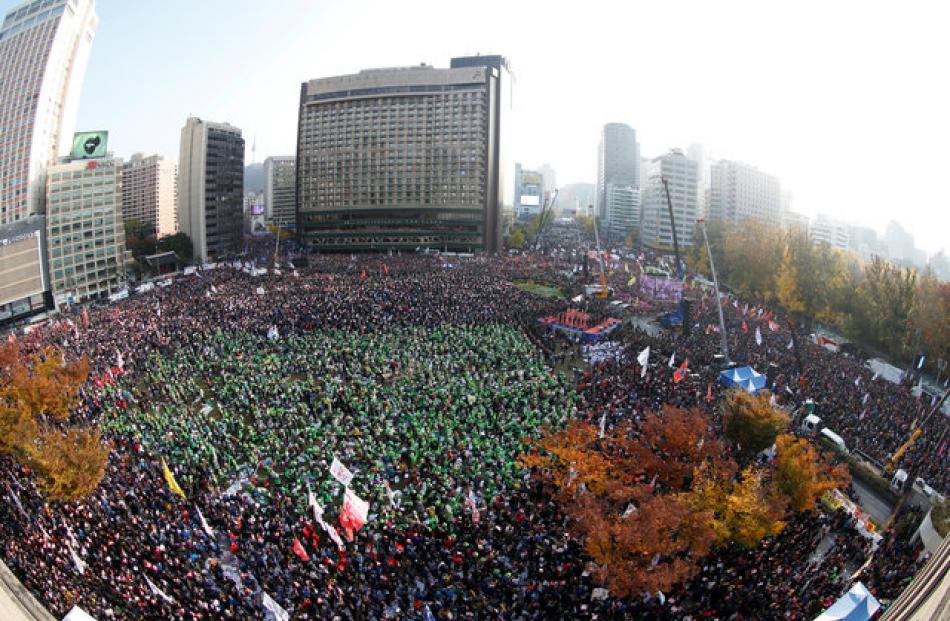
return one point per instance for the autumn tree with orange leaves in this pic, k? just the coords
(628, 495)
(37, 393)
(802, 475)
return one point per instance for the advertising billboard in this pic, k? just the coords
(530, 201)
(89, 145)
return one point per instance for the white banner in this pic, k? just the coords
(274, 608)
(340, 472)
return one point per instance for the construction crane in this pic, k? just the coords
(896, 457)
(676, 244)
(603, 293)
(547, 212)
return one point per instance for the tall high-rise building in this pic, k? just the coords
(682, 175)
(84, 228)
(211, 188)
(739, 191)
(618, 164)
(149, 190)
(827, 230)
(550, 178)
(697, 153)
(575, 198)
(280, 191)
(623, 210)
(405, 157)
(44, 46)
(529, 192)
(900, 243)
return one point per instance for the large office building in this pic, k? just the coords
(405, 158)
(149, 189)
(24, 280)
(738, 192)
(84, 229)
(44, 46)
(682, 175)
(622, 204)
(825, 229)
(529, 192)
(280, 191)
(618, 164)
(211, 188)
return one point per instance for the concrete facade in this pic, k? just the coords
(682, 174)
(44, 47)
(85, 230)
(824, 229)
(149, 192)
(529, 192)
(211, 188)
(739, 191)
(280, 191)
(403, 158)
(618, 163)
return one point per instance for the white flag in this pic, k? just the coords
(644, 359)
(758, 336)
(259, 291)
(317, 509)
(204, 523)
(272, 333)
(603, 424)
(672, 360)
(920, 364)
(119, 360)
(857, 381)
(334, 534)
(340, 472)
(274, 608)
(790, 343)
(629, 510)
(157, 591)
(80, 565)
(876, 375)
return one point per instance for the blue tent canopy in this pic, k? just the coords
(746, 378)
(856, 605)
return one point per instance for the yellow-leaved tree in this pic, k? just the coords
(802, 475)
(750, 420)
(37, 393)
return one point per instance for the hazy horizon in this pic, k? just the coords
(844, 102)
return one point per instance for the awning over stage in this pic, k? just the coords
(856, 605)
(743, 377)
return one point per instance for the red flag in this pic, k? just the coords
(745, 327)
(385, 269)
(363, 274)
(774, 327)
(299, 550)
(680, 373)
(354, 514)
(708, 393)
(85, 318)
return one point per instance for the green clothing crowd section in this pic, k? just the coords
(430, 420)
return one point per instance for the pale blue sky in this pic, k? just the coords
(846, 101)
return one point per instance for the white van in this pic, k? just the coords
(834, 438)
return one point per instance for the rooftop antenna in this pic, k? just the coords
(254, 150)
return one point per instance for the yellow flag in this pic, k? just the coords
(170, 479)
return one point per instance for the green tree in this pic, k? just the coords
(517, 238)
(180, 244)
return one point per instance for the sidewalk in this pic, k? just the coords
(16, 603)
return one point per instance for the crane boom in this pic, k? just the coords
(892, 462)
(602, 294)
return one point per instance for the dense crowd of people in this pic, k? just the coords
(421, 377)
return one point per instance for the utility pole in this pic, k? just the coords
(712, 268)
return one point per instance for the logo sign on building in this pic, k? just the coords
(89, 145)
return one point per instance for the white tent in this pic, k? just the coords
(78, 614)
(856, 605)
